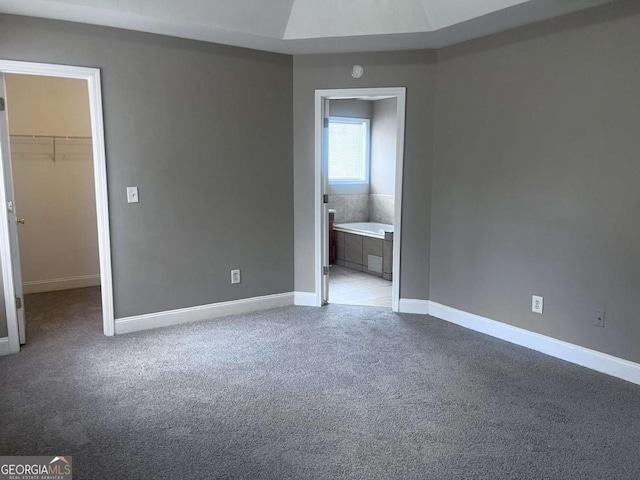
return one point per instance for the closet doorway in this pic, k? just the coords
(52, 248)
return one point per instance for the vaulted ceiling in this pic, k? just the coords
(307, 26)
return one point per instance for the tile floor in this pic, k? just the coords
(350, 287)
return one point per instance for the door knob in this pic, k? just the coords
(20, 221)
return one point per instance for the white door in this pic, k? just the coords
(11, 212)
(325, 204)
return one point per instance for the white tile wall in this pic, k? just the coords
(382, 209)
(363, 208)
(350, 208)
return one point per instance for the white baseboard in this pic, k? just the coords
(408, 305)
(54, 284)
(201, 312)
(304, 299)
(569, 352)
(4, 346)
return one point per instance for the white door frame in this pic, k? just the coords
(400, 93)
(92, 76)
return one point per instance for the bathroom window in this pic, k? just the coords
(348, 150)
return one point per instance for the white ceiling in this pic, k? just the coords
(307, 26)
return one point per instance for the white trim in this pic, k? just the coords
(304, 299)
(409, 305)
(6, 263)
(397, 217)
(92, 76)
(201, 312)
(569, 352)
(400, 93)
(54, 284)
(5, 346)
(317, 200)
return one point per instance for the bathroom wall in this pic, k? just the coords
(373, 202)
(351, 202)
(350, 108)
(384, 121)
(55, 195)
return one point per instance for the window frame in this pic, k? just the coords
(367, 151)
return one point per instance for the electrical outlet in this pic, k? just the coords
(537, 304)
(235, 276)
(599, 318)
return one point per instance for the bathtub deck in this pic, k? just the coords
(350, 287)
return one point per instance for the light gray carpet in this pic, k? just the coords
(304, 393)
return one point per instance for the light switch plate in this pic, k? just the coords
(235, 276)
(132, 194)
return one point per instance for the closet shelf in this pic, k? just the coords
(55, 141)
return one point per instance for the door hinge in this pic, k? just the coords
(325, 270)
(325, 198)
(326, 122)
(18, 302)
(1, 104)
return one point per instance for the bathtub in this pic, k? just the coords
(365, 246)
(366, 229)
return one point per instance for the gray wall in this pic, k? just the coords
(350, 108)
(415, 70)
(192, 125)
(383, 146)
(536, 178)
(535, 167)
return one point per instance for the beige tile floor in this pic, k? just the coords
(350, 287)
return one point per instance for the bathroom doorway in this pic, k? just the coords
(361, 142)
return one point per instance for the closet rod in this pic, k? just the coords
(51, 136)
